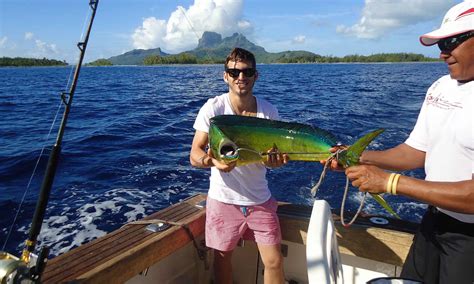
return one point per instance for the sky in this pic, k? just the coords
(52, 28)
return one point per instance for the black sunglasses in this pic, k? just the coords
(234, 72)
(450, 43)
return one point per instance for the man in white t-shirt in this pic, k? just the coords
(442, 142)
(239, 203)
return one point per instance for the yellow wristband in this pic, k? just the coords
(394, 184)
(389, 183)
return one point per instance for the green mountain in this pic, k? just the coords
(212, 48)
(135, 57)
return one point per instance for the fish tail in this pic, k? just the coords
(384, 204)
(350, 157)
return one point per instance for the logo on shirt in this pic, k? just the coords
(437, 98)
(439, 101)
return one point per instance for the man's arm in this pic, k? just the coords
(200, 159)
(399, 158)
(454, 196)
(198, 156)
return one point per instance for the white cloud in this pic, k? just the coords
(150, 34)
(3, 42)
(299, 39)
(29, 35)
(45, 48)
(381, 16)
(244, 25)
(41, 48)
(184, 27)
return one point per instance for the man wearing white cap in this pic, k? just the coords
(442, 142)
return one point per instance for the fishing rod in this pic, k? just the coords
(29, 267)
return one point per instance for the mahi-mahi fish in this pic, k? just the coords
(246, 140)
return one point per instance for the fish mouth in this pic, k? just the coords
(228, 151)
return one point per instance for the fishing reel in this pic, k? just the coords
(15, 270)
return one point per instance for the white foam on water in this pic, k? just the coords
(74, 226)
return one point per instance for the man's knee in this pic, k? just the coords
(274, 262)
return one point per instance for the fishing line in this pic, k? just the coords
(296, 153)
(84, 26)
(32, 175)
(61, 103)
(270, 153)
(189, 22)
(194, 31)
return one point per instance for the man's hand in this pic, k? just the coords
(221, 165)
(368, 178)
(334, 163)
(275, 158)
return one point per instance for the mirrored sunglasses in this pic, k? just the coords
(450, 43)
(234, 72)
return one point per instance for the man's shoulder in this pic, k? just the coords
(267, 108)
(217, 100)
(441, 83)
(446, 79)
(264, 103)
(214, 106)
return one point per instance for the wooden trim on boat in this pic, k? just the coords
(124, 253)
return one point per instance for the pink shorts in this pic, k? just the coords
(226, 224)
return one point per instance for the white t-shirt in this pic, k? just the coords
(445, 132)
(244, 185)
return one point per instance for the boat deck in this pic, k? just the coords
(126, 252)
(123, 253)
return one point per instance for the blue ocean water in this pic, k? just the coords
(126, 147)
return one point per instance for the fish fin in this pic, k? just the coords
(247, 156)
(350, 157)
(385, 205)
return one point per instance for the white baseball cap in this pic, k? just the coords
(459, 19)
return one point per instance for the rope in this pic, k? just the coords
(315, 188)
(346, 190)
